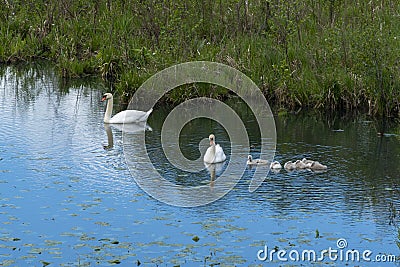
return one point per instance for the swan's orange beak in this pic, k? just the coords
(103, 98)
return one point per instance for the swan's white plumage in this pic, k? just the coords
(214, 157)
(130, 116)
(214, 153)
(126, 116)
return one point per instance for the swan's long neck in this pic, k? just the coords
(107, 115)
(213, 150)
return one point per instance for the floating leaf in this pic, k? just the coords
(103, 223)
(52, 242)
(36, 251)
(114, 261)
(45, 263)
(282, 240)
(7, 262)
(85, 237)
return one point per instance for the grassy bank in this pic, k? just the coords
(329, 55)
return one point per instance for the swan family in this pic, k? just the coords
(214, 153)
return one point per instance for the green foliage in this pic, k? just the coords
(331, 55)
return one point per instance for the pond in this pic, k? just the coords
(68, 197)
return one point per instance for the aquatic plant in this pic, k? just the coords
(330, 55)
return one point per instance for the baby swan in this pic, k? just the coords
(289, 166)
(275, 165)
(307, 161)
(317, 166)
(300, 164)
(251, 161)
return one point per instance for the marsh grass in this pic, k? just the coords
(329, 55)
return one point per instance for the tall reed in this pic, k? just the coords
(328, 55)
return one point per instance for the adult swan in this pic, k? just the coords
(214, 153)
(125, 116)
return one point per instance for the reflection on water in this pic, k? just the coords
(110, 138)
(126, 128)
(64, 199)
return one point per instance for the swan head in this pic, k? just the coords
(106, 96)
(212, 139)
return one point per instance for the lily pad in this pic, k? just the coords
(114, 262)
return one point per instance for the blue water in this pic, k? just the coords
(67, 200)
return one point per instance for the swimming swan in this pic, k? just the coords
(307, 161)
(300, 164)
(317, 166)
(214, 153)
(126, 116)
(275, 165)
(251, 161)
(289, 166)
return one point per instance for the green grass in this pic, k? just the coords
(327, 55)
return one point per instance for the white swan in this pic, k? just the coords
(214, 153)
(251, 161)
(126, 116)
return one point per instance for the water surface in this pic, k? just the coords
(67, 197)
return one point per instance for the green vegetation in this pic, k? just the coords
(328, 55)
